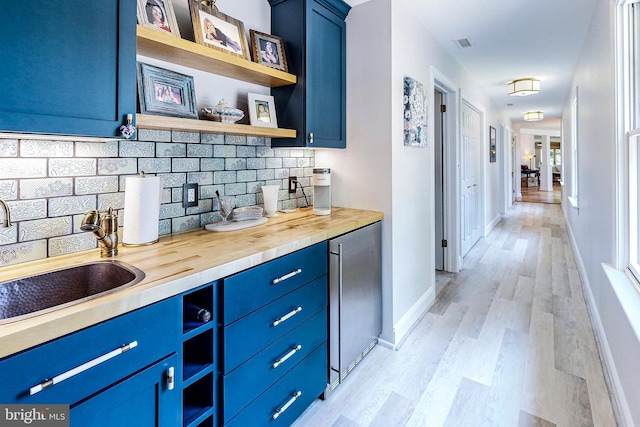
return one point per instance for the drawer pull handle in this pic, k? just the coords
(290, 402)
(287, 316)
(284, 358)
(286, 276)
(171, 378)
(79, 369)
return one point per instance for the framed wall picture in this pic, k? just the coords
(492, 144)
(217, 30)
(166, 92)
(262, 110)
(268, 50)
(415, 113)
(159, 15)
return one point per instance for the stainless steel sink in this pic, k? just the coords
(34, 295)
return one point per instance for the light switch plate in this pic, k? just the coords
(190, 195)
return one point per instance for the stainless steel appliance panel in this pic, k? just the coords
(355, 298)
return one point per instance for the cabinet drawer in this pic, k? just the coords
(250, 379)
(309, 378)
(154, 328)
(249, 335)
(251, 289)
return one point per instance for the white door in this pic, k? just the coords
(471, 158)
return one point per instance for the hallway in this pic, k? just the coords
(507, 343)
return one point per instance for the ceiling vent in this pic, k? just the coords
(463, 43)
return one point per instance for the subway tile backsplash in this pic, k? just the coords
(49, 184)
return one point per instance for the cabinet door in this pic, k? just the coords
(140, 400)
(67, 67)
(314, 33)
(326, 78)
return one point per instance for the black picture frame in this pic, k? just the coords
(492, 144)
(268, 50)
(165, 92)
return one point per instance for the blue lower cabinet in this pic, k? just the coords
(283, 402)
(271, 322)
(249, 380)
(134, 340)
(140, 400)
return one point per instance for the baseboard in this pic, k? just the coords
(496, 220)
(412, 316)
(620, 404)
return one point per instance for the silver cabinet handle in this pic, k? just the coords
(290, 402)
(79, 369)
(287, 316)
(311, 138)
(171, 378)
(286, 276)
(284, 358)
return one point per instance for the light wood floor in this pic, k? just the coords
(507, 343)
(535, 195)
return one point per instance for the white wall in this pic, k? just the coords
(593, 225)
(385, 43)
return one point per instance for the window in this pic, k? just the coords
(628, 116)
(573, 195)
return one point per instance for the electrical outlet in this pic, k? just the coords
(190, 195)
(292, 184)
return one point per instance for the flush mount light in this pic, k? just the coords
(533, 116)
(524, 87)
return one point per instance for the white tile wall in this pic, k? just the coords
(49, 184)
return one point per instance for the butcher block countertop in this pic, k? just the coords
(177, 263)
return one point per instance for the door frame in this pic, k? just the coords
(450, 162)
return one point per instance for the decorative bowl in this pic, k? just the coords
(222, 113)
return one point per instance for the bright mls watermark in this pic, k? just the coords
(34, 415)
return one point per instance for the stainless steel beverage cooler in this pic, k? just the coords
(355, 299)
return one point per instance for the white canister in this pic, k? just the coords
(270, 195)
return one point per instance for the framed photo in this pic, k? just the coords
(268, 50)
(217, 30)
(159, 15)
(262, 110)
(492, 144)
(166, 92)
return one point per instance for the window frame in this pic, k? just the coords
(627, 104)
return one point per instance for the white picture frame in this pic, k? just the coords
(262, 110)
(159, 15)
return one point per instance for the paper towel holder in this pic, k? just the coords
(145, 216)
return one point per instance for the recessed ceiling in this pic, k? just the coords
(512, 39)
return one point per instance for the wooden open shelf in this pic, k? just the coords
(147, 121)
(169, 48)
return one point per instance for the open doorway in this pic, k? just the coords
(439, 108)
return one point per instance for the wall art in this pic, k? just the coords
(415, 113)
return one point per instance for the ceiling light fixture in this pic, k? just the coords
(533, 116)
(524, 87)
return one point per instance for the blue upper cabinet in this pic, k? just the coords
(67, 67)
(314, 36)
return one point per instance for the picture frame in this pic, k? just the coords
(492, 144)
(159, 15)
(218, 31)
(165, 92)
(415, 113)
(262, 110)
(268, 50)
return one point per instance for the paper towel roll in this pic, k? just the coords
(141, 210)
